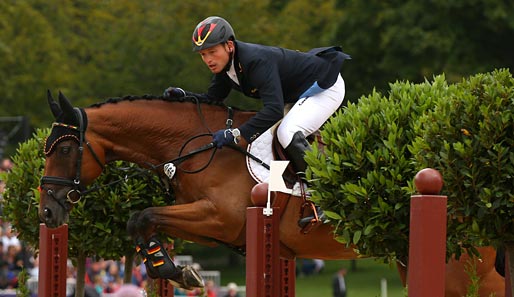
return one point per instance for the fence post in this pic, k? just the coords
(287, 277)
(53, 257)
(427, 238)
(262, 247)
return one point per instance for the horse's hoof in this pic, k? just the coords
(189, 279)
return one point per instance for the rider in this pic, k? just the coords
(277, 76)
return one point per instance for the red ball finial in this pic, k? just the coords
(260, 194)
(428, 181)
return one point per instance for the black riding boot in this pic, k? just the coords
(296, 153)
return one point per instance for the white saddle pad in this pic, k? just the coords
(261, 148)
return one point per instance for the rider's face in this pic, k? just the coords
(217, 57)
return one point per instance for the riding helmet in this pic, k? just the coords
(210, 32)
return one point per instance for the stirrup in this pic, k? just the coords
(159, 265)
(308, 223)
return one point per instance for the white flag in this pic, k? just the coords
(276, 181)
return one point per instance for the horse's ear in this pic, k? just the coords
(54, 107)
(67, 109)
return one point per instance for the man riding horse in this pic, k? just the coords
(277, 76)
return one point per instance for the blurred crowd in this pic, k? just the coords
(14, 255)
(106, 276)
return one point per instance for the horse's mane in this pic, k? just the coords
(191, 99)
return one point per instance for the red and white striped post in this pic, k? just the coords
(427, 238)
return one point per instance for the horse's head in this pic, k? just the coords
(71, 162)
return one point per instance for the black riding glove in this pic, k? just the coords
(173, 92)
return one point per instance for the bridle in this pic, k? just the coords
(77, 190)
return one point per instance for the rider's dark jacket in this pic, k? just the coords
(276, 76)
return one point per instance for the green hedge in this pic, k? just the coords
(363, 177)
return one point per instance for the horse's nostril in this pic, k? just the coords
(47, 213)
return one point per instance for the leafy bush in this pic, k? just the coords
(21, 197)
(363, 176)
(469, 138)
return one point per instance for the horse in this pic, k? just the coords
(212, 187)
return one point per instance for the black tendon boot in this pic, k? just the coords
(159, 265)
(296, 153)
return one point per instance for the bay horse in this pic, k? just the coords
(212, 187)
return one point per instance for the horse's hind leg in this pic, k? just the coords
(157, 261)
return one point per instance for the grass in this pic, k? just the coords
(362, 282)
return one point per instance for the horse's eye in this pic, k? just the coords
(65, 150)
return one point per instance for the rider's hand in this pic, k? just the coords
(173, 92)
(225, 136)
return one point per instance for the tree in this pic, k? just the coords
(97, 226)
(32, 59)
(413, 40)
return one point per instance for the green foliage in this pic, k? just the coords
(412, 40)
(363, 176)
(469, 138)
(470, 267)
(21, 197)
(101, 49)
(97, 225)
(23, 290)
(97, 49)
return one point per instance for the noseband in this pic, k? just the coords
(74, 184)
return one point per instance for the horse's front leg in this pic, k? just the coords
(194, 221)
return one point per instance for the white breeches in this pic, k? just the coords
(310, 113)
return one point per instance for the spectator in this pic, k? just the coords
(4, 270)
(112, 280)
(34, 271)
(232, 290)
(339, 283)
(14, 266)
(98, 284)
(6, 165)
(128, 291)
(318, 265)
(9, 238)
(139, 275)
(308, 266)
(210, 289)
